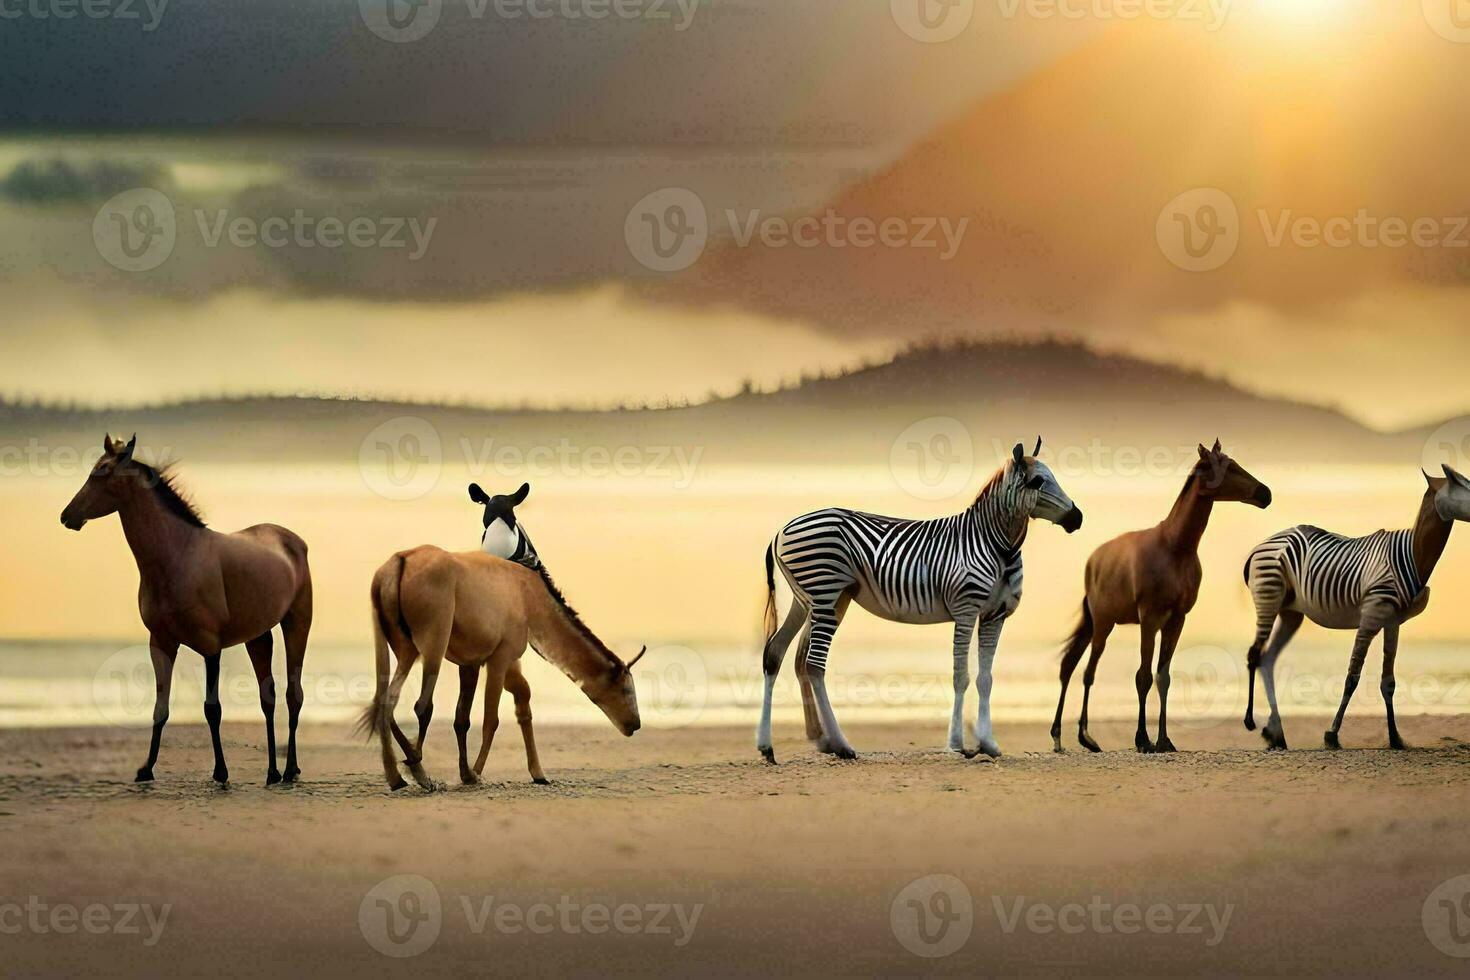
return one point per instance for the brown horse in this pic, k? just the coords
(1152, 578)
(204, 590)
(471, 609)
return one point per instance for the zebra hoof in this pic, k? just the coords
(1329, 739)
(1250, 723)
(769, 754)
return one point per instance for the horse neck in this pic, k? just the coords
(157, 538)
(561, 641)
(1189, 517)
(999, 517)
(1431, 534)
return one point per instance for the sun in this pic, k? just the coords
(1301, 11)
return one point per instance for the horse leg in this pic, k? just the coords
(423, 709)
(771, 658)
(494, 684)
(1387, 684)
(1370, 628)
(825, 620)
(520, 690)
(405, 662)
(964, 631)
(1286, 626)
(295, 628)
(1070, 658)
(469, 680)
(163, 653)
(1143, 681)
(1100, 632)
(1169, 641)
(260, 658)
(989, 640)
(213, 713)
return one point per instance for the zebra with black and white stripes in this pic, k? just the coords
(964, 569)
(1372, 584)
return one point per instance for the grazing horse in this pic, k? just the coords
(1372, 584)
(504, 537)
(964, 569)
(474, 609)
(1151, 578)
(204, 590)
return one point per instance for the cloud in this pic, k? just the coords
(57, 180)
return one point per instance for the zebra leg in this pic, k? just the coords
(1366, 633)
(989, 640)
(1388, 684)
(823, 627)
(964, 631)
(804, 681)
(1100, 633)
(1143, 681)
(1170, 641)
(1267, 583)
(1286, 627)
(771, 659)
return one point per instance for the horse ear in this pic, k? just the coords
(1217, 445)
(519, 496)
(1037, 450)
(107, 445)
(1019, 453)
(477, 495)
(1455, 477)
(127, 453)
(637, 658)
(1203, 452)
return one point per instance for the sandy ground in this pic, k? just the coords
(681, 852)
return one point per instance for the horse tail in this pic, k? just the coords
(387, 612)
(1081, 636)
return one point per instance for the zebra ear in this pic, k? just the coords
(1456, 477)
(1037, 450)
(1019, 453)
(636, 659)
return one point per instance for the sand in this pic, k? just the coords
(680, 852)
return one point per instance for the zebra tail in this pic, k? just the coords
(1081, 635)
(770, 591)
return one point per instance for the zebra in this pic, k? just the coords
(964, 569)
(504, 537)
(1372, 584)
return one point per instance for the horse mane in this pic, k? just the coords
(163, 482)
(573, 617)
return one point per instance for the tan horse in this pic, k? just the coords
(471, 608)
(204, 590)
(1152, 578)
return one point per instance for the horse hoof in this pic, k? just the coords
(469, 779)
(769, 754)
(1057, 748)
(291, 774)
(222, 776)
(1164, 745)
(1250, 723)
(1086, 741)
(1329, 739)
(144, 775)
(844, 752)
(1397, 744)
(541, 781)
(398, 784)
(272, 777)
(1144, 748)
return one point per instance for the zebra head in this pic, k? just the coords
(1451, 495)
(1038, 491)
(503, 537)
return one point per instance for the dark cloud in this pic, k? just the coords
(56, 180)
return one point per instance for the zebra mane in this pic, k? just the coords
(574, 618)
(993, 484)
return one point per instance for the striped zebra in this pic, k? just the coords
(503, 536)
(1372, 584)
(964, 569)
